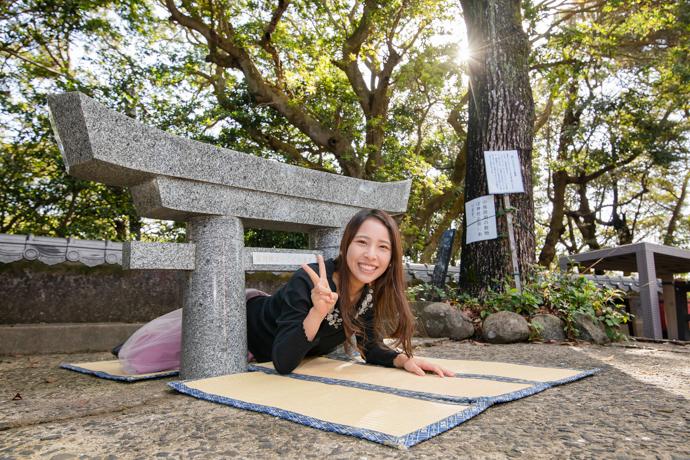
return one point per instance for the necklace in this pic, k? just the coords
(335, 320)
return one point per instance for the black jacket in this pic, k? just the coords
(275, 330)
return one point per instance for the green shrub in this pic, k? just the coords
(536, 331)
(554, 292)
(566, 296)
(427, 292)
(424, 291)
(525, 303)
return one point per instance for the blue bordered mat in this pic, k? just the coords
(321, 400)
(475, 380)
(112, 370)
(387, 419)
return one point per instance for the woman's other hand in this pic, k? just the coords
(322, 297)
(420, 367)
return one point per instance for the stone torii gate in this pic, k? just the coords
(216, 192)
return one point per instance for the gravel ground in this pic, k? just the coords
(638, 407)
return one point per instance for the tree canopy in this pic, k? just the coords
(369, 89)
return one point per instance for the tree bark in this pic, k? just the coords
(585, 218)
(556, 222)
(501, 117)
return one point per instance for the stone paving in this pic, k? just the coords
(638, 407)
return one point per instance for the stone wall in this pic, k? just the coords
(52, 289)
(73, 308)
(32, 292)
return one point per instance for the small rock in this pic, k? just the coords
(418, 306)
(505, 327)
(551, 327)
(266, 444)
(63, 457)
(50, 437)
(589, 330)
(589, 437)
(440, 319)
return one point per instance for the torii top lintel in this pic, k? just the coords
(176, 178)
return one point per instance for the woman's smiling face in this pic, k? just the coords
(369, 253)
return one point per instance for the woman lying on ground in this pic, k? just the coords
(356, 294)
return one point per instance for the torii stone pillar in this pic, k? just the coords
(217, 192)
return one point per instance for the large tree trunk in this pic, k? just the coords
(501, 117)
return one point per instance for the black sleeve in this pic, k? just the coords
(290, 344)
(375, 352)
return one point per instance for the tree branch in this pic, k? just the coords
(261, 138)
(541, 119)
(223, 51)
(350, 50)
(266, 43)
(16, 54)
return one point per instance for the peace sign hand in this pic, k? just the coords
(321, 295)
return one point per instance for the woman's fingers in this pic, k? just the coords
(438, 370)
(419, 371)
(322, 268)
(312, 274)
(448, 373)
(412, 366)
(321, 295)
(320, 280)
(328, 297)
(427, 366)
(431, 368)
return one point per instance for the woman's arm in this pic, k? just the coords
(291, 343)
(375, 352)
(306, 304)
(312, 323)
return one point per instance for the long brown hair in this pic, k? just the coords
(392, 314)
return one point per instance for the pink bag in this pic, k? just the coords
(154, 347)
